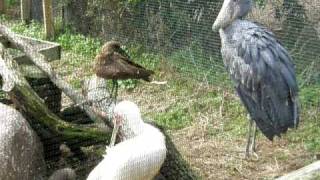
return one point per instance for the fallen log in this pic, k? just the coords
(15, 84)
(311, 171)
(40, 61)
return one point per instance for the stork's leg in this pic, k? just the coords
(116, 90)
(249, 138)
(251, 144)
(112, 89)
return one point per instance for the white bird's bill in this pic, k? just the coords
(116, 123)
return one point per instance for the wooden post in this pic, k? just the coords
(25, 11)
(48, 18)
(2, 6)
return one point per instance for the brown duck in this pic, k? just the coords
(113, 63)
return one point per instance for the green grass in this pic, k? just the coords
(76, 64)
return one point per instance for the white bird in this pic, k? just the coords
(63, 174)
(139, 155)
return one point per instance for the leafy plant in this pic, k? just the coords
(34, 29)
(176, 117)
(11, 2)
(310, 95)
(260, 3)
(79, 44)
(128, 84)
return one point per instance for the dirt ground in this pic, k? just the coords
(222, 156)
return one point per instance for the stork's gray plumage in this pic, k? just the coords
(261, 69)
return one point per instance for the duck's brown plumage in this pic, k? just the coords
(113, 63)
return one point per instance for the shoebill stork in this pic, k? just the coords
(140, 153)
(261, 69)
(114, 63)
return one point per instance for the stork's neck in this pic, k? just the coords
(236, 28)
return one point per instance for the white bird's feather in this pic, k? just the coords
(139, 157)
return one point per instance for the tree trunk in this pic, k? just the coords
(2, 6)
(48, 19)
(25, 11)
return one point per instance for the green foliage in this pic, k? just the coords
(2, 94)
(131, 2)
(3, 18)
(175, 117)
(260, 3)
(129, 84)
(148, 60)
(194, 62)
(308, 132)
(34, 29)
(79, 44)
(310, 95)
(11, 2)
(138, 54)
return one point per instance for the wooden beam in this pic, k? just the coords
(25, 11)
(311, 171)
(2, 6)
(48, 18)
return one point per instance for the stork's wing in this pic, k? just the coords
(265, 80)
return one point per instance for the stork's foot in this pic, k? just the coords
(251, 154)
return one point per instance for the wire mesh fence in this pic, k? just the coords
(180, 32)
(182, 29)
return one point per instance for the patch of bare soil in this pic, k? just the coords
(219, 158)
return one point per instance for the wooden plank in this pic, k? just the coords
(48, 18)
(52, 51)
(311, 171)
(25, 6)
(31, 71)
